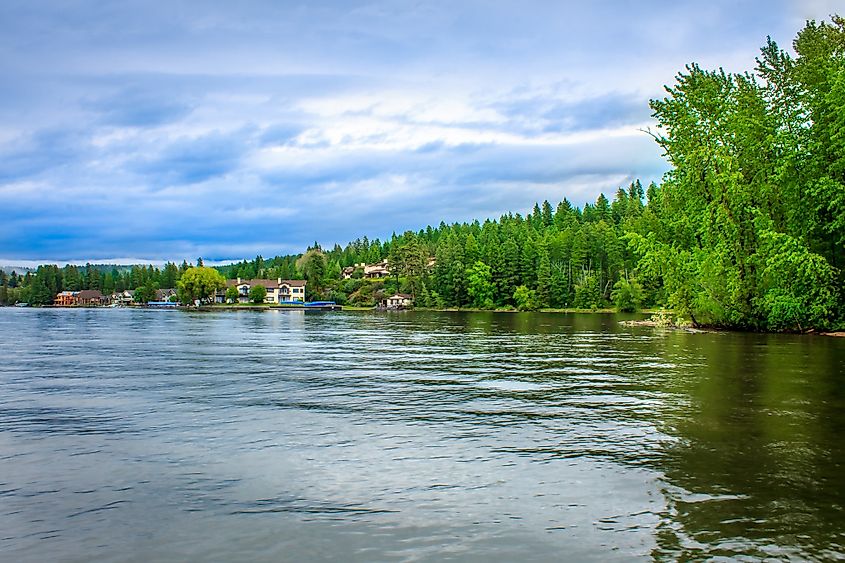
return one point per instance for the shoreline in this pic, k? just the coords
(643, 323)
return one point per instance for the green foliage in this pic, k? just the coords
(257, 294)
(145, 294)
(799, 288)
(333, 271)
(199, 284)
(544, 279)
(627, 295)
(525, 299)
(480, 285)
(313, 266)
(409, 259)
(748, 228)
(232, 294)
(588, 291)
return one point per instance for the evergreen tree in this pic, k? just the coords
(544, 279)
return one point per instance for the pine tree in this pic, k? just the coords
(544, 278)
(510, 269)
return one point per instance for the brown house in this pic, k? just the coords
(89, 297)
(86, 298)
(65, 298)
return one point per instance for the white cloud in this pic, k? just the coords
(163, 131)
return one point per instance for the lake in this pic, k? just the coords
(139, 435)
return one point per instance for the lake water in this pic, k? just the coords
(130, 435)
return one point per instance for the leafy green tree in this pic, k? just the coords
(257, 294)
(525, 299)
(627, 295)
(480, 285)
(199, 284)
(232, 294)
(145, 294)
(753, 162)
(588, 291)
(799, 286)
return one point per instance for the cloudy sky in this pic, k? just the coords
(144, 130)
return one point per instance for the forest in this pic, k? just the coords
(746, 230)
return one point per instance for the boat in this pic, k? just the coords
(322, 305)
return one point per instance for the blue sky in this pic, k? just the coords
(148, 131)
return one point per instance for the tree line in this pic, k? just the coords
(555, 256)
(41, 286)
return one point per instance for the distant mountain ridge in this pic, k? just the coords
(18, 269)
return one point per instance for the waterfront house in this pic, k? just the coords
(85, 298)
(278, 290)
(398, 301)
(89, 298)
(166, 294)
(122, 298)
(65, 299)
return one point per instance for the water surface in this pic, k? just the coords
(130, 435)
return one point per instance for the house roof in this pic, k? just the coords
(89, 294)
(401, 296)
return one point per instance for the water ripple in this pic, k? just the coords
(418, 436)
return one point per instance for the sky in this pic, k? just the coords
(144, 131)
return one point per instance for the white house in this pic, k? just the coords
(398, 301)
(379, 270)
(278, 290)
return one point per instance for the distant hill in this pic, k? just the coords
(18, 269)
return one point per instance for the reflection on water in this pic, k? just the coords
(165, 435)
